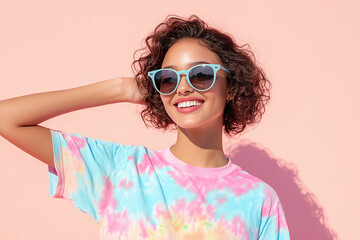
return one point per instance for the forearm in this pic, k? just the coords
(35, 108)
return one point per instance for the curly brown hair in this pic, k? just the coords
(248, 86)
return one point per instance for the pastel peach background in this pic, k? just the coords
(306, 147)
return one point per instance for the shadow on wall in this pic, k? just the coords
(304, 216)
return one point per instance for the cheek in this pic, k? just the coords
(166, 101)
(219, 94)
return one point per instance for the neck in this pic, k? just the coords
(200, 147)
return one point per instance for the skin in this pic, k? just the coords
(19, 119)
(197, 127)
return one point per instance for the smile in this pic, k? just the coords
(188, 104)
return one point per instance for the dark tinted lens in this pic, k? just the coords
(201, 77)
(165, 81)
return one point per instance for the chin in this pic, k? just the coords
(202, 120)
(188, 125)
(197, 125)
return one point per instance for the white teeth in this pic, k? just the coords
(188, 104)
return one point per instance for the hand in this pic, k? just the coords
(133, 93)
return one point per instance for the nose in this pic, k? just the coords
(184, 87)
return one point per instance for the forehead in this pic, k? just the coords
(186, 51)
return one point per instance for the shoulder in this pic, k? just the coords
(136, 152)
(254, 186)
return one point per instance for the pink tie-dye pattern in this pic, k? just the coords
(148, 164)
(125, 222)
(143, 233)
(190, 220)
(193, 209)
(237, 227)
(204, 185)
(221, 200)
(194, 214)
(281, 218)
(145, 165)
(74, 143)
(125, 184)
(268, 204)
(69, 165)
(107, 195)
(115, 223)
(266, 207)
(209, 210)
(273, 209)
(161, 212)
(179, 205)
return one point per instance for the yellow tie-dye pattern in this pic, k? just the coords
(89, 178)
(72, 164)
(176, 229)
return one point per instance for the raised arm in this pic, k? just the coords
(20, 116)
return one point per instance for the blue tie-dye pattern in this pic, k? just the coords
(152, 186)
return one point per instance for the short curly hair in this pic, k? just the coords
(248, 85)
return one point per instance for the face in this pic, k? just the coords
(209, 105)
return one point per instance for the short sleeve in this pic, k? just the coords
(83, 169)
(273, 223)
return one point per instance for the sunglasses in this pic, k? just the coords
(200, 77)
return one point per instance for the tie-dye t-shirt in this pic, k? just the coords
(135, 193)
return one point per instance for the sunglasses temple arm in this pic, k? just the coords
(224, 69)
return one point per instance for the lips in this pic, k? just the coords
(187, 105)
(188, 102)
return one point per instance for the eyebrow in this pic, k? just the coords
(188, 65)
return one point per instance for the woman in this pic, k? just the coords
(192, 78)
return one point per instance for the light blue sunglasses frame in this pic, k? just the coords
(215, 67)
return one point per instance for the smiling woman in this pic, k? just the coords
(207, 117)
(194, 78)
(248, 87)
